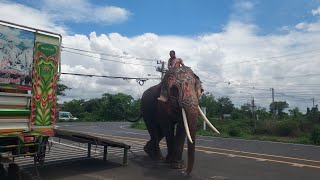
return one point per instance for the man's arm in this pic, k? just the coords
(169, 64)
(181, 62)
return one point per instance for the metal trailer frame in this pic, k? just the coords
(92, 139)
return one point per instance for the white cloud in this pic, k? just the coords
(242, 11)
(310, 27)
(27, 16)
(111, 14)
(84, 11)
(237, 55)
(244, 5)
(315, 11)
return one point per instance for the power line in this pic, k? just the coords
(305, 75)
(231, 65)
(104, 59)
(275, 57)
(140, 80)
(112, 55)
(276, 77)
(107, 76)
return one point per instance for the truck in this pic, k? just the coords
(30, 65)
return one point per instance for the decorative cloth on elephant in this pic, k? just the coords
(170, 79)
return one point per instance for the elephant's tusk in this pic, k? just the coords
(207, 121)
(185, 122)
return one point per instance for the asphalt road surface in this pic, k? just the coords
(216, 158)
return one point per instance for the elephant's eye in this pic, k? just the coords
(174, 91)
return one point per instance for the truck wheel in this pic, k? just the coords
(3, 173)
(14, 172)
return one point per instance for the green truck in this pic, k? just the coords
(29, 69)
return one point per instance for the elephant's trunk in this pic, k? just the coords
(192, 117)
(191, 151)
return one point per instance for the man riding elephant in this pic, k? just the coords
(174, 61)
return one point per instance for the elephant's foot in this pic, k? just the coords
(168, 160)
(159, 156)
(154, 155)
(177, 164)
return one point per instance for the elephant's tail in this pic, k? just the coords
(135, 120)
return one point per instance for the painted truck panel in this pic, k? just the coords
(29, 62)
(44, 82)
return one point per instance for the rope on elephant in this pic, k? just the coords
(133, 152)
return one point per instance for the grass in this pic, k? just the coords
(139, 125)
(299, 140)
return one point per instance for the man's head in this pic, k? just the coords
(172, 54)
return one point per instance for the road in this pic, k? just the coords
(216, 158)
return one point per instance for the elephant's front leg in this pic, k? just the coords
(179, 146)
(167, 128)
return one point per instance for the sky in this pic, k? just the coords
(239, 48)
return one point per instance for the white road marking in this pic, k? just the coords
(297, 165)
(260, 159)
(232, 155)
(219, 177)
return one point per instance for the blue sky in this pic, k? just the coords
(191, 17)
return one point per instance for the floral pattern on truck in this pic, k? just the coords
(46, 61)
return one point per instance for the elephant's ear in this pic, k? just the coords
(198, 86)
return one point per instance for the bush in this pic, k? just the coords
(315, 135)
(287, 128)
(234, 131)
(266, 127)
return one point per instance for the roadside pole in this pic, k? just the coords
(161, 69)
(204, 110)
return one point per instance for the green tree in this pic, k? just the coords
(225, 106)
(134, 109)
(279, 107)
(295, 112)
(75, 107)
(242, 113)
(61, 88)
(115, 107)
(208, 100)
(262, 113)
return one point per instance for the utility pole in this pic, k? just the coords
(313, 102)
(253, 113)
(161, 69)
(204, 110)
(273, 110)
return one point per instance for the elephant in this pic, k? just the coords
(174, 119)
